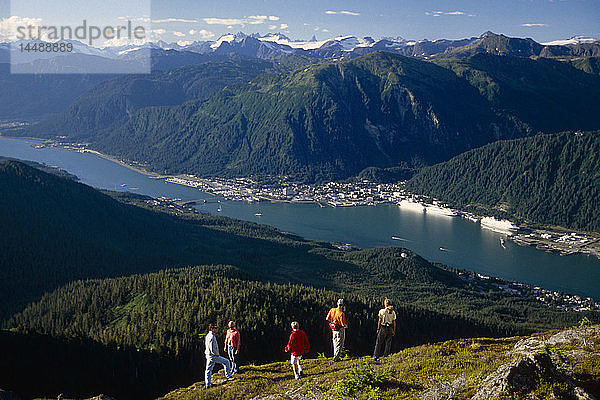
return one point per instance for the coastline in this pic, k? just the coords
(561, 240)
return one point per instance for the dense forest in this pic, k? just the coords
(163, 318)
(111, 103)
(146, 331)
(548, 179)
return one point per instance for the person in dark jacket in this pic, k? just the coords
(298, 346)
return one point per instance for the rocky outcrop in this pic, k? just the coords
(536, 364)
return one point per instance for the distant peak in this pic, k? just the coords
(488, 33)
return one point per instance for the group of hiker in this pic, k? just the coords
(298, 344)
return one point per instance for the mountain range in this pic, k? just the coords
(326, 120)
(33, 97)
(277, 45)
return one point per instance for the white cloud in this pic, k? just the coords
(184, 42)
(187, 21)
(224, 21)
(159, 31)
(533, 25)
(178, 34)
(124, 41)
(204, 34)
(272, 27)
(8, 26)
(250, 20)
(316, 28)
(440, 13)
(325, 30)
(144, 19)
(257, 19)
(283, 26)
(330, 12)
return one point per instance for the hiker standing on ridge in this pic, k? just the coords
(211, 351)
(337, 323)
(297, 345)
(386, 329)
(232, 345)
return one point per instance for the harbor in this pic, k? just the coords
(465, 242)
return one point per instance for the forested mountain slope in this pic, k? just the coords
(543, 94)
(111, 103)
(333, 119)
(549, 179)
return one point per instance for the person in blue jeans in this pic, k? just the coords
(211, 352)
(232, 345)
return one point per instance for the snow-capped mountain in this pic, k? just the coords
(276, 45)
(575, 40)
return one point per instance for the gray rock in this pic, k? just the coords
(518, 376)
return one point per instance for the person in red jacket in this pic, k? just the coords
(297, 345)
(232, 345)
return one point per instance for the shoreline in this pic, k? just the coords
(561, 240)
(550, 298)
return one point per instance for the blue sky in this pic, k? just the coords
(188, 20)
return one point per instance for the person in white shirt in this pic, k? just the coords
(386, 329)
(211, 351)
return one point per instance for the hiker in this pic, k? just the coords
(337, 323)
(232, 345)
(212, 356)
(298, 346)
(386, 329)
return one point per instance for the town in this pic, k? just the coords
(551, 298)
(353, 193)
(366, 193)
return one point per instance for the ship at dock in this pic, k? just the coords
(439, 210)
(413, 205)
(499, 225)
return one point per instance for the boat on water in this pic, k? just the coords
(471, 218)
(399, 238)
(258, 214)
(412, 205)
(438, 210)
